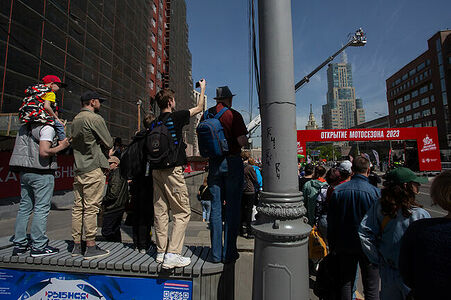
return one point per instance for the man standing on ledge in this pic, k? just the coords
(34, 157)
(92, 143)
(226, 179)
(169, 183)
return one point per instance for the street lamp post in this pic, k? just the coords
(280, 251)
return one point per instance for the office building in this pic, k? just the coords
(418, 94)
(342, 110)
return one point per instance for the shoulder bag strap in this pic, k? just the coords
(220, 113)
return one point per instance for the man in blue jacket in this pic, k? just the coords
(348, 205)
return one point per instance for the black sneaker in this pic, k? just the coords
(95, 252)
(19, 249)
(48, 250)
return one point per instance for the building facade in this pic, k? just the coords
(418, 94)
(342, 109)
(119, 48)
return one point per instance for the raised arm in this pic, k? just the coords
(200, 105)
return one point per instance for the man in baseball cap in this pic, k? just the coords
(91, 142)
(404, 175)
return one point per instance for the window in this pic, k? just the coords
(400, 110)
(425, 101)
(417, 125)
(416, 115)
(421, 66)
(434, 123)
(407, 107)
(154, 38)
(443, 85)
(398, 81)
(421, 76)
(401, 120)
(406, 97)
(426, 112)
(433, 110)
(408, 118)
(405, 76)
(412, 72)
(414, 93)
(152, 52)
(154, 8)
(428, 62)
(416, 104)
(432, 98)
(154, 23)
(152, 69)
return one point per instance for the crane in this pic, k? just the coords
(356, 40)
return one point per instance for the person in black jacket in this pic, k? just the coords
(248, 199)
(114, 202)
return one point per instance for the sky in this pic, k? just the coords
(396, 31)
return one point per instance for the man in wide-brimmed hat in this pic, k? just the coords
(226, 177)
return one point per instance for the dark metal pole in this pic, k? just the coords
(280, 254)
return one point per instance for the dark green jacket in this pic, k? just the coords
(91, 141)
(116, 193)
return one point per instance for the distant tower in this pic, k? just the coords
(311, 124)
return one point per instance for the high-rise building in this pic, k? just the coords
(311, 124)
(342, 110)
(121, 49)
(418, 94)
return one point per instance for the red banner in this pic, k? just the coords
(9, 181)
(426, 137)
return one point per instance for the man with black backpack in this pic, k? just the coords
(226, 172)
(166, 155)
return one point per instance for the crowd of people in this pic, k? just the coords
(400, 250)
(385, 232)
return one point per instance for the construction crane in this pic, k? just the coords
(357, 40)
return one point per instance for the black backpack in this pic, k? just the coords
(133, 160)
(161, 148)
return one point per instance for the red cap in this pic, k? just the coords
(52, 78)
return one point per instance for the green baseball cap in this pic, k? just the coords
(404, 175)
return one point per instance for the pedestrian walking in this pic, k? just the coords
(226, 179)
(34, 158)
(204, 195)
(249, 195)
(311, 191)
(92, 144)
(424, 260)
(348, 205)
(171, 192)
(114, 201)
(384, 225)
(308, 174)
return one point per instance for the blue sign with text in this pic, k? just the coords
(19, 284)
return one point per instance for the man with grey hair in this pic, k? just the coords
(348, 205)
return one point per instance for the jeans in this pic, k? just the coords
(225, 179)
(36, 191)
(59, 129)
(206, 209)
(347, 264)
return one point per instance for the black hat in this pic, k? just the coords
(91, 95)
(223, 92)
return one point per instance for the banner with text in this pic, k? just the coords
(426, 137)
(10, 181)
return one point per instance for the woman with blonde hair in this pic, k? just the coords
(425, 261)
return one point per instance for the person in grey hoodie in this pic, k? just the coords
(384, 225)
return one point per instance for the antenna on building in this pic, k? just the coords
(310, 108)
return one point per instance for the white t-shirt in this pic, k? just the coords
(47, 133)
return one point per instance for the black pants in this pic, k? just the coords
(111, 227)
(347, 266)
(246, 212)
(143, 213)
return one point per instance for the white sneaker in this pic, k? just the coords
(172, 260)
(160, 257)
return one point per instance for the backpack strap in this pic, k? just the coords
(220, 113)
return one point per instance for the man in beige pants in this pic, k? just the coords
(92, 143)
(169, 183)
